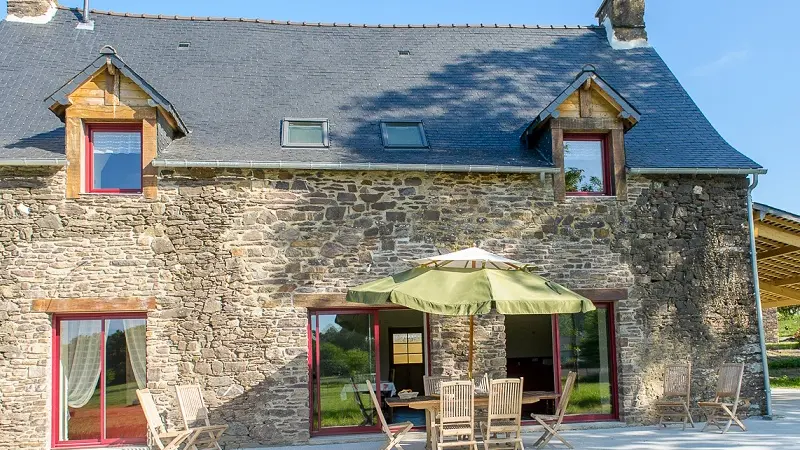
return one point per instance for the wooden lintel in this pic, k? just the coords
(792, 294)
(587, 124)
(92, 305)
(102, 113)
(330, 300)
(603, 295)
(764, 230)
(777, 252)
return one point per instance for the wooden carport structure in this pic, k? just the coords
(777, 234)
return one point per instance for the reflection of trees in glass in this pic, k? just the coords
(576, 181)
(344, 352)
(116, 358)
(581, 337)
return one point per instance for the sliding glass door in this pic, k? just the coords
(99, 362)
(343, 356)
(586, 346)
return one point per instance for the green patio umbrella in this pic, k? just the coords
(470, 282)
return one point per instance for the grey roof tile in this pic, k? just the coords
(476, 89)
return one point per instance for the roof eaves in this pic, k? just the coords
(310, 165)
(766, 209)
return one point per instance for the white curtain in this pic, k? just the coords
(135, 330)
(80, 361)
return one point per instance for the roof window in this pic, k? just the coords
(304, 133)
(407, 134)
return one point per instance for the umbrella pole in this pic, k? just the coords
(471, 345)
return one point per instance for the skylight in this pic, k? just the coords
(304, 133)
(408, 134)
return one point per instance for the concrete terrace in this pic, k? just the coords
(781, 433)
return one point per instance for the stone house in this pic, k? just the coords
(195, 195)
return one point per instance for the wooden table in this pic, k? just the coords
(430, 404)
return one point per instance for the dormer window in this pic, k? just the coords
(304, 133)
(114, 158)
(586, 165)
(403, 135)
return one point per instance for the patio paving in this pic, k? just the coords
(781, 433)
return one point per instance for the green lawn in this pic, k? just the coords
(587, 398)
(337, 412)
(788, 325)
(784, 381)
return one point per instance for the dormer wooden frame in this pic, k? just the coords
(588, 106)
(110, 93)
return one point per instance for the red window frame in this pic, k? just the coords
(608, 187)
(612, 350)
(55, 403)
(89, 157)
(314, 355)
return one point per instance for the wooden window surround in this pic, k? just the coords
(612, 133)
(108, 99)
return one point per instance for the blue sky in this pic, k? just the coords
(736, 58)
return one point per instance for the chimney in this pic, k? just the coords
(31, 11)
(624, 23)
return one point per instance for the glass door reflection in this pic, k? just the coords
(344, 357)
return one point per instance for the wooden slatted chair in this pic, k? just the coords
(431, 383)
(482, 383)
(159, 435)
(455, 426)
(195, 415)
(673, 406)
(504, 416)
(729, 384)
(552, 423)
(366, 413)
(394, 438)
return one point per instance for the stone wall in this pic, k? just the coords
(771, 329)
(225, 253)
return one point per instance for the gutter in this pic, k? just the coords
(695, 171)
(354, 166)
(759, 312)
(33, 162)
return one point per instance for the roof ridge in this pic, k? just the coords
(324, 24)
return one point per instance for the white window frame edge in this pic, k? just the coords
(285, 132)
(385, 134)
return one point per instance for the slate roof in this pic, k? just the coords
(475, 88)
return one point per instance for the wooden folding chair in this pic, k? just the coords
(365, 412)
(718, 411)
(195, 415)
(673, 406)
(552, 423)
(504, 417)
(455, 426)
(482, 383)
(163, 439)
(394, 438)
(431, 384)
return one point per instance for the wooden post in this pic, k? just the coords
(149, 149)
(618, 163)
(559, 178)
(74, 146)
